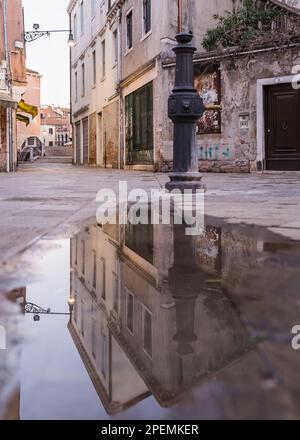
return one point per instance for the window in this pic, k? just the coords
(76, 87)
(75, 27)
(83, 256)
(94, 269)
(116, 48)
(147, 331)
(139, 126)
(76, 250)
(94, 338)
(93, 7)
(129, 311)
(81, 18)
(94, 67)
(103, 276)
(104, 353)
(50, 130)
(129, 42)
(75, 312)
(102, 13)
(115, 293)
(82, 80)
(82, 318)
(146, 16)
(103, 58)
(51, 144)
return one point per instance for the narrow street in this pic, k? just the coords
(239, 311)
(150, 206)
(51, 199)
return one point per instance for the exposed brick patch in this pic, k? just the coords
(213, 166)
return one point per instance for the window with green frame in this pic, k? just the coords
(139, 126)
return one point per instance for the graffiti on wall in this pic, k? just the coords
(216, 152)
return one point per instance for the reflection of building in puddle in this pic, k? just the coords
(9, 360)
(149, 300)
(95, 281)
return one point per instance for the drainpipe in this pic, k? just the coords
(8, 110)
(71, 116)
(121, 150)
(180, 11)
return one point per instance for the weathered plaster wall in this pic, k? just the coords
(15, 28)
(31, 96)
(235, 148)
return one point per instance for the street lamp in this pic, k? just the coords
(35, 34)
(71, 41)
(185, 109)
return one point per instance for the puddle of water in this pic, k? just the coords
(163, 326)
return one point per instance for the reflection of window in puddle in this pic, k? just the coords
(103, 278)
(104, 353)
(140, 239)
(83, 257)
(147, 331)
(82, 317)
(115, 293)
(129, 311)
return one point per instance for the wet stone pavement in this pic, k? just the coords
(160, 325)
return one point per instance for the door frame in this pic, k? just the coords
(100, 154)
(83, 120)
(260, 115)
(76, 125)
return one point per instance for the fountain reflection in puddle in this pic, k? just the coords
(162, 325)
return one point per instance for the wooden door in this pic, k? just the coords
(282, 113)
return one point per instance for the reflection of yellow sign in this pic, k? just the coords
(23, 118)
(27, 108)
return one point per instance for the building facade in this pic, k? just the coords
(32, 95)
(55, 128)
(12, 78)
(123, 70)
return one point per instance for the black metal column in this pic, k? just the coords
(185, 283)
(185, 109)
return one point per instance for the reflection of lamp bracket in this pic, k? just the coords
(33, 308)
(37, 310)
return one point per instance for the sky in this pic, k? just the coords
(49, 55)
